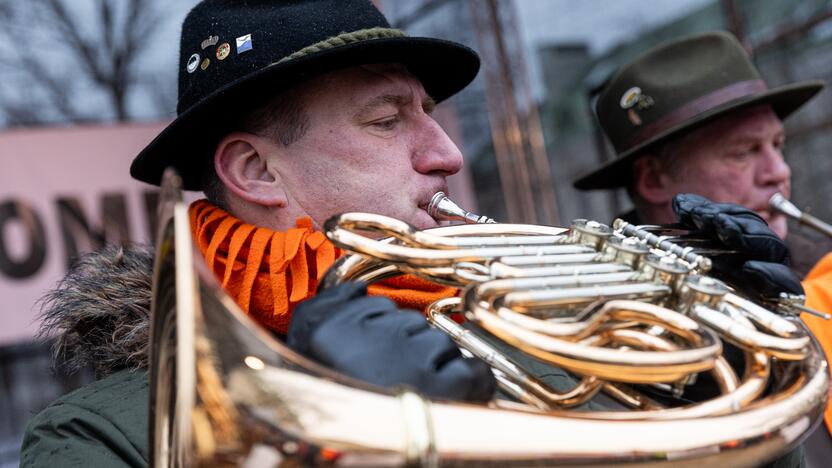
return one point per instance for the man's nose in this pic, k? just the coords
(775, 170)
(434, 151)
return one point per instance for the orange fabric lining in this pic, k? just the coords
(269, 272)
(818, 287)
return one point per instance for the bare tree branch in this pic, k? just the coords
(86, 55)
(107, 26)
(104, 48)
(34, 69)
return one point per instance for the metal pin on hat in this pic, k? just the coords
(193, 62)
(212, 40)
(223, 50)
(244, 44)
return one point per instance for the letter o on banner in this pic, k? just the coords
(29, 264)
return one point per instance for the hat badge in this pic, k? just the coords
(212, 40)
(633, 100)
(223, 50)
(193, 62)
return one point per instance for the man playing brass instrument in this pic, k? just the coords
(288, 113)
(694, 116)
(295, 112)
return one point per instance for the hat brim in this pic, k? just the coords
(784, 100)
(443, 67)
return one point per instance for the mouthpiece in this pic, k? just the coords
(778, 202)
(441, 208)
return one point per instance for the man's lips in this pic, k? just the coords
(768, 215)
(425, 199)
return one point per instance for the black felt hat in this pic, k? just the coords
(236, 53)
(676, 87)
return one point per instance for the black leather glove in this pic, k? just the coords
(369, 338)
(762, 265)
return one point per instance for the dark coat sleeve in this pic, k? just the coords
(103, 424)
(69, 435)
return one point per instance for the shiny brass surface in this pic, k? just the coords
(226, 392)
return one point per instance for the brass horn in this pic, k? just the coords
(611, 308)
(779, 203)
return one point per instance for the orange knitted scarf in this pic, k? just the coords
(269, 272)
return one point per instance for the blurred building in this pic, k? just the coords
(789, 41)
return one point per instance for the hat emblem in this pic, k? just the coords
(244, 44)
(212, 40)
(223, 50)
(193, 62)
(634, 99)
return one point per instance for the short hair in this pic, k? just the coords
(281, 118)
(670, 154)
(670, 158)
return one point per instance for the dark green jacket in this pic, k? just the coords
(103, 424)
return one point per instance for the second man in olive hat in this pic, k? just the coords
(694, 115)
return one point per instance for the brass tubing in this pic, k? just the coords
(581, 296)
(632, 366)
(752, 386)
(423, 257)
(736, 396)
(506, 286)
(543, 260)
(499, 269)
(783, 348)
(630, 397)
(392, 227)
(516, 374)
(614, 312)
(764, 317)
(723, 374)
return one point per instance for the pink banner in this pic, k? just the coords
(62, 192)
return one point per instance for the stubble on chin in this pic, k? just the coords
(422, 220)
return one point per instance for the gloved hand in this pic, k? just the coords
(761, 266)
(369, 338)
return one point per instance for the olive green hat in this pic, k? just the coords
(675, 87)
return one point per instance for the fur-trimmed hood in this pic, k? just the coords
(99, 314)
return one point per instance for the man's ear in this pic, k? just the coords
(241, 163)
(650, 181)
